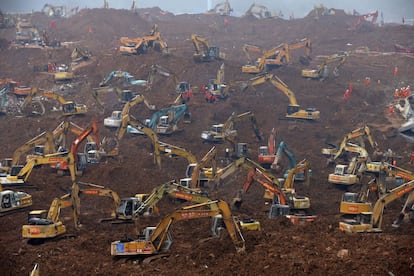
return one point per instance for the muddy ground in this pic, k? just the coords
(279, 247)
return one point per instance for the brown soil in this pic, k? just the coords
(280, 247)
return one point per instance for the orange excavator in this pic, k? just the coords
(267, 153)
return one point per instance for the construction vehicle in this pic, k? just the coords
(283, 202)
(335, 152)
(371, 222)
(141, 127)
(356, 203)
(218, 132)
(140, 45)
(195, 177)
(276, 57)
(267, 153)
(11, 201)
(129, 80)
(364, 18)
(293, 110)
(260, 11)
(42, 144)
(322, 71)
(168, 124)
(84, 188)
(27, 33)
(115, 119)
(73, 161)
(348, 174)
(155, 240)
(182, 88)
(79, 54)
(68, 108)
(283, 149)
(165, 121)
(216, 89)
(205, 52)
(222, 8)
(145, 204)
(19, 174)
(46, 224)
(56, 11)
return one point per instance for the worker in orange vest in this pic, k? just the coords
(346, 95)
(396, 93)
(367, 81)
(390, 109)
(395, 71)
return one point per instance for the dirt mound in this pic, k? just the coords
(279, 247)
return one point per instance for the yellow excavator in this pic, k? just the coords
(46, 224)
(203, 51)
(260, 12)
(222, 8)
(322, 71)
(155, 240)
(335, 152)
(140, 45)
(11, 201)
(218, 132)
(19, 174)
(294, 112)
(350, 174)
(276, 57)
(371, 222)
(68, 107)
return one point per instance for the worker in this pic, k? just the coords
(395, 71)
(367, 81)
(390, 109)
(346, 95)
(378, 83)
(396, 93)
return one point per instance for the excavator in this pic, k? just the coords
(155, 240)
(145, 204)
(182, 88)
(129, 80)
(196, 177)
(46, 224)
(127, 120)
(357, 203)
(83, 188)
(52, 10)
(73, 161)
(68, 108)
(293, 110)
(335, 152)
(260, 11)
(283, 149)
(11, 201)
(216, 89)
(276, 57)
(222, 8)
(371, 222)
(322, 71)
(284, 202)
(19, 174)
(205, 52)
(140, 45)
(115, 119)
(350, 174)
(218, 132)
(165, 121)
(362, 18)
(267, 153)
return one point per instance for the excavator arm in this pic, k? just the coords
(293, 110)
